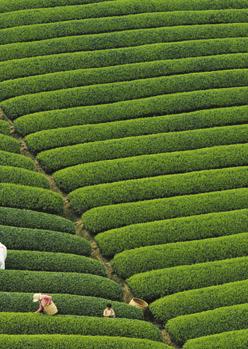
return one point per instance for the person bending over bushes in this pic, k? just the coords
(47, 305)
(109, 311)
(3, 255)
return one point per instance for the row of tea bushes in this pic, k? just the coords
(151, 165)
(32, 219)
(226, 340)
(17, 238)
(125, 90)
(77, 342)
(58, 158)
(68, 305)
(26, 197)
(124, 22)
(119, 39)
(12, 174)
(155, 284)
(9, 144)
(209, 322)
(50, 261)
(173, 230)
(103, 9)
(15, 160)
(30, 66)
(59, 282)
(103, 218)
(199, 300)
(144, 259)
(158, 187)
(4, 127)
(19, 323)
(53, 138)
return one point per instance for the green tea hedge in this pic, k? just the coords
(13, 5)
(225, 340)
(125, 72)
(16, 160)
(22, 196)
(158, 187)
(118, 39)
(58, 158)
(158, 283)
(68, 305)
(76, 342)
(144, 259)
(152, 165)
(209, 322)
(9, 144)
(173, 230)
(4, 127)
(43, 240)
(124, 22)
(32, 219)
(50, 261)
(115, 216)
(19, 323)
(54, 138)
(202, 299)
(59, 282)
(11, 174)
(17, 68)
(127, 90)
(106, 9)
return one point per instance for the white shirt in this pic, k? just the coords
(3, 255)
(109, 312)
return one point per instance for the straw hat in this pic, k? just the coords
(36, 297)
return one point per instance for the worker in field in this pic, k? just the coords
(46, 304)
(3, 255)
(109, 311)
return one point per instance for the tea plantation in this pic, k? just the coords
(124, 173)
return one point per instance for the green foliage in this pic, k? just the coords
(158, 283)
(50, 261)
(144, 259)
(209, 322)
(226, 340)
(115, 216)
(119, 39)
(152, 165)
(127, 90)
(54, 138)
(173, 230)
(59, 282)
(68, 305)
(32, 219)
(196, 301)
(21, 196)
(76, 342)
(4, 127)
(158, 187)
(106, 9)
(124, 22)
(9, 144)
(19, 323)
(18, 68)
(11, 174)
(43, 240)
(16, 160)
(14, 5)
(58, 158)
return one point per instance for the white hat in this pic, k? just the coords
(36, 297)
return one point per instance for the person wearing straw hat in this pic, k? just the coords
(47, 305)
(3, 255)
